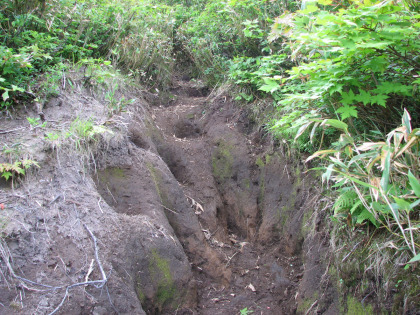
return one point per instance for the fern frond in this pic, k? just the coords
(365, 215)
(345, 201)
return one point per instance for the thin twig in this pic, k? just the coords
(101, 282)
(309, 309)
(36, 283)
(95, 244)
(5, 254)
(12, 130)
(367, 296)
(170, 210)
(90, 270)
(96, 283)
(354, 248)
(110, 301)
(228, 262)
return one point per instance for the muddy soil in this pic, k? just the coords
(194, 212)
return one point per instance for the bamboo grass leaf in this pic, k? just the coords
(414, 183)
(386, 170)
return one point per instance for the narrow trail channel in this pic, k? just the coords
(208, 152)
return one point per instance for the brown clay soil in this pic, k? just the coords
(193, 210)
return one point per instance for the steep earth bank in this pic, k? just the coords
(172, 208)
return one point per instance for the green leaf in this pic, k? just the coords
(20, 171)
(414, 259)
(385, 173)
(325, 2)
(5, 95)
(379, 99)
(355, 206)
(270, 86)
(336, 88)
(347, 111)
(338, 162)
(365, 215)
(380, 208)
(363, 97)
(336, 124)
(16, 88)
(393, 87)
(247, 97)
(309, 9)
(378, 45)
(414, 183)
(406, 121)
(415, 204)
(402, 204)
(348, 98)
(6, 175)
(358, 181)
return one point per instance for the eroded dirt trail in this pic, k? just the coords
(193, 211)
(213, 159)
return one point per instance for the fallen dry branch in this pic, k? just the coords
(5, 254)
(96, 283)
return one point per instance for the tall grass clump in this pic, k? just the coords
(213, 36)
(36, 36)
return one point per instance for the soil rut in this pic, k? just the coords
(263, 276)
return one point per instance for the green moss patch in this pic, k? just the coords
(355, 307)
(113, 172)
(161, 274)
(260, 163)
(139, 291)
(305, 305)
(158, 180)
(222, 161)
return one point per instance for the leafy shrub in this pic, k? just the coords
(224, 30)
(358, 63)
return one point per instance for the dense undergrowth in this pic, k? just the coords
(338, 80)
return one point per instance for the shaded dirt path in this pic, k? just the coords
(262, 275)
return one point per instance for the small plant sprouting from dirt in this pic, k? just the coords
(36, 122)
(81, 133)
(246, 311)
(116, 105)
(17, 168)
(13, 164)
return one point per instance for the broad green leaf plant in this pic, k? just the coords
(10, 170)
(358, 63)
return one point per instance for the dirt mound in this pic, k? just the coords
(190, 213)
